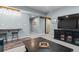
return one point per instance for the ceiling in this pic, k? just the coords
(39, 9)
(45, 9)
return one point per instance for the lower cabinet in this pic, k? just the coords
(68, 36)
(76, 41)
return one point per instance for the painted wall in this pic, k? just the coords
(37, 25)
(20, 20)
(15, 21)
(42, 25)
(60, 12)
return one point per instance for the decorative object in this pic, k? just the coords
(69, 39)
(62, 37)
(43, 44)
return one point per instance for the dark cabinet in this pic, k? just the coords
(68, 29)
(70, 36)
(76, 38)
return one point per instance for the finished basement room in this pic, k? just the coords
(39, 28)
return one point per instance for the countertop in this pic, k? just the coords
(68, 29)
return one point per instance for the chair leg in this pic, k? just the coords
(6, 38)
(12, 37)
(17, 36)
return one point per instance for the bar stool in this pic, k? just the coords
(15, 35)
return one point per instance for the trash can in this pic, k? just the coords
(1, 45)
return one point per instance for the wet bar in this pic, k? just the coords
(68, 29)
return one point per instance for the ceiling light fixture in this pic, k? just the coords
(10, 8)
(47, 17)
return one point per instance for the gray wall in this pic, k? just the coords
(38, 27)
(16, 21)
(42, 25)
(35, 25)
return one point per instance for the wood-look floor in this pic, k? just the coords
(15, 43)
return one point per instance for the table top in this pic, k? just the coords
(33, 46)
(7, 29)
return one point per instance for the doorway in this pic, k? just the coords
(47, 25)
